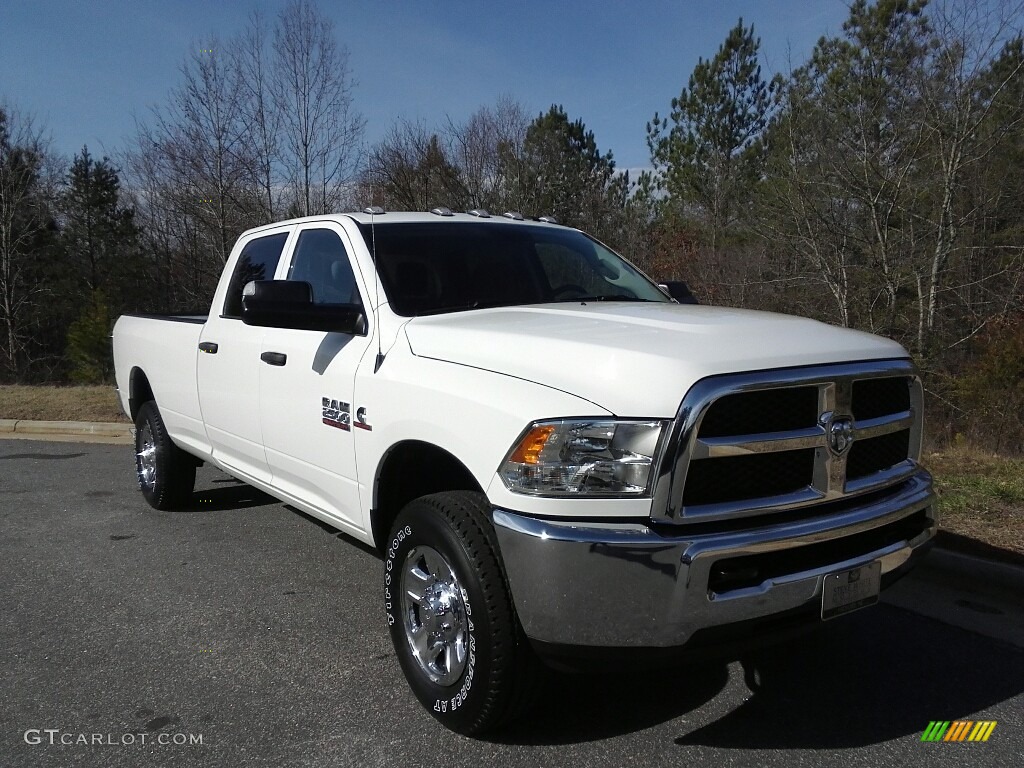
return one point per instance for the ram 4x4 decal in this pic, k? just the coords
(337, 413)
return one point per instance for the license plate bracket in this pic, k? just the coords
(849, 590)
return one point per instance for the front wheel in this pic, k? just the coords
(451, 617)
(166, 473)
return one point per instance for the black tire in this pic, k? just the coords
(166, 474)
(498, 673)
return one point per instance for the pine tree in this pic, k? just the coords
(563, 172)
(708, 150)
(88, 348)
(99, 234)
(99, 242)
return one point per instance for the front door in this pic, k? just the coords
(306, 384)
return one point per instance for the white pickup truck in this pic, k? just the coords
(556, 460)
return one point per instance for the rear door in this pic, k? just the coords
(307, 379)
(228, 365)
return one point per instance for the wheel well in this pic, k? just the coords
(410, 470)
(139, 391)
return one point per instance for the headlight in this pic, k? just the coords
(583, 458)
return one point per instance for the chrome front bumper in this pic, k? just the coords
(628, 585)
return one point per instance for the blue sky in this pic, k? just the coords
(87, 68)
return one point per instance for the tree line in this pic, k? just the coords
(876, 185)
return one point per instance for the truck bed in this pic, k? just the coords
(176, 317)
(167, 344)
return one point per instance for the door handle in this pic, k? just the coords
(274, 358)
(210, 347)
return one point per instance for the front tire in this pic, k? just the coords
(451, 617)
(166, 473)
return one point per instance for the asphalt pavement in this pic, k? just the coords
(250, 627)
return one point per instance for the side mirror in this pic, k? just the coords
(289, 304)
(679, 291)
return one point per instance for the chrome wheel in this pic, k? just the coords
(145, 457)
(434, 615)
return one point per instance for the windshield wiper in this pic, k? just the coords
(606, 297)
(461, 307)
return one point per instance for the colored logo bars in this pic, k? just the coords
(958, 730)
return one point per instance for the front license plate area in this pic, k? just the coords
(849, 590)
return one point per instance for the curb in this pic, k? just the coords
(64, 428)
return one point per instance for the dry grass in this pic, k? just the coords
(97, 403)
(981, 496)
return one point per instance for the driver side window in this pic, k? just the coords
(322, 261)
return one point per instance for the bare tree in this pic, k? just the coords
(193, 171)
(26, 190)
(313, 92)
(462, 165)
(845, 147)
(960, 91)
(153, 198)
(205, 142)
(803, 208)
(261, 121)
(409, 169)
(483, 147)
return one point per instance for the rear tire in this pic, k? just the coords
(451, 617)
(166, 473)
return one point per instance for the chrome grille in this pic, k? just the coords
(782, 440)
(877, 454)
(767, 410)
(736, 478)
(877, 397)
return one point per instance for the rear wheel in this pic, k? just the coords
(451, 616)
(166, 473)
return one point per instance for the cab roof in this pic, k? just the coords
(407, 217)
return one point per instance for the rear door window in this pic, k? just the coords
(258, 261)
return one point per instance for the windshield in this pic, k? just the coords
(434, 267)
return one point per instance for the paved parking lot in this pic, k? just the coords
(254, 627)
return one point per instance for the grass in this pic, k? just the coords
(47, 403)
(981, 496)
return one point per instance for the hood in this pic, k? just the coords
(635, 359)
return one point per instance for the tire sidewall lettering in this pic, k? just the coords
(401, 536)
(462, 695)
(390, 566)
(451, 703)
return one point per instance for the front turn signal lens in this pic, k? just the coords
(529, 449)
